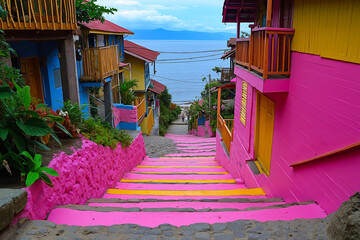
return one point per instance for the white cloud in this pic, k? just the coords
(127, 2)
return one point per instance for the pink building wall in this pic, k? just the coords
(85, 174)
(319, 114)
(124, 115)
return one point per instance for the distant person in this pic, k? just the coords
(183, 117)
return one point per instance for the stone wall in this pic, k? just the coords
(85, 174)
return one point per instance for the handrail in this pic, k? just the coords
(225, 132)
(329, 154)
(243, 52)
(39, 15)
(150, 120)
(99, 63)
(141, 109)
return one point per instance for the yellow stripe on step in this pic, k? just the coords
(186, 161)
(180, 180)
(181, 172)
(233, 192)
(154, 166)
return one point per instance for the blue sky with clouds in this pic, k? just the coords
(192, 15)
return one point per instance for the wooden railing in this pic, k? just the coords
(99, 63)
(227, 74)
(267, 52)
(351, 147)
(195, 124)
(226, 134)
(150, 120)
(243, 52)
(229, 123)
(141, 109)
(39, 15)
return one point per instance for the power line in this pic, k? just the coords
(182, 52)
(174, 59)
(194, 61)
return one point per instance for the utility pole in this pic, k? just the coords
(209, 99)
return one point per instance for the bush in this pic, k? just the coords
(104, 135)
(75, 112)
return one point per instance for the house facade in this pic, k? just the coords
(44, 42)
(297, 118)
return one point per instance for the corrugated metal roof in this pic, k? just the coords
(140, 51)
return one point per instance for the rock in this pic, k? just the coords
(12, 201)
(202, 236)
(345, 222)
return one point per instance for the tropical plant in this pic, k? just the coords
(104, 134)
(33, 170)
(126, 93)
(87, 11)
(74, 111)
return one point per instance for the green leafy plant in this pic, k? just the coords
(104, 134)
(33, 170)
(87, 11)
(75, 111)
(127, 96)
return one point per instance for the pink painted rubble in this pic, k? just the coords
(85, 174)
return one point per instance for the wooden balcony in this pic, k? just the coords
(226, 133)
(267, 52)
(99, 63)
(39, 15)
(227, 74)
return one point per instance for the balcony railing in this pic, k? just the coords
(227, 74)
(150, 119)
(99, 63)
(226, 134)
(267, 52)
(39, 15)
(141, 109)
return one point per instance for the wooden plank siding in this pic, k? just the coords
(39, 15)
(328, 28)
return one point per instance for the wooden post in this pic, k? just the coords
(218, 105)
(268, 13)
(68, 69)
(108, 102)
(238, 23)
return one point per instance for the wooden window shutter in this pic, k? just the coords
(243, 102)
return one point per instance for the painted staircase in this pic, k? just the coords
(182, 189)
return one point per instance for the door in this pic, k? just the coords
(286, 13)
(30, 67)
(264, 131)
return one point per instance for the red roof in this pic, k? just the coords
(140, 51)
(157, 87)
(107, 26)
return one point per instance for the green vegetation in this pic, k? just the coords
(104, 134)
(127, 96)
(87, 11)
(169, 112)
(75, 111)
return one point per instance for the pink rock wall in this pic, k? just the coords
(319, 114)
(85, 174)
(124, 115)
(208, 129)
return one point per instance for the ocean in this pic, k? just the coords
(183, 72)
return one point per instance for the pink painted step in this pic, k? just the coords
(151, 219)
(198, 151)
(111, 196)
(187, 177)
(152, 163)
(195, 144)
(181, 159)
(195, 205)
(190, 154)
(180, 187)
(175, 170)
(193, 148)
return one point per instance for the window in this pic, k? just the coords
(57, 78)
(243, 102)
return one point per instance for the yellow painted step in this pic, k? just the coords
(154, 166)
(185, 157)
(180, 180)
(163, 161)
(233, 192)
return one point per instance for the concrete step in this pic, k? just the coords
(153, 219)
(203, 199)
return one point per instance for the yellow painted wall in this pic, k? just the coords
(329, 28)
(137, 71)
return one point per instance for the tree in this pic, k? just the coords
(127, 96)
(244, 34)
(88, 10)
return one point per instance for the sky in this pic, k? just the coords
(191, 15)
